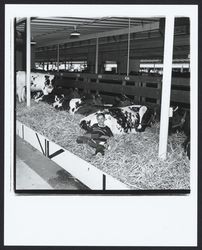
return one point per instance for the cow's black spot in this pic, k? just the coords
(134, 109)
(124, 119)
(147, 119)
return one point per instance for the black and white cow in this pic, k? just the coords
(186, 130)
(50, 98)
(121, 120)
(39, 83)
(58, 96)
(180, 122)
(177, 119)
(86, 105)
(62, 101)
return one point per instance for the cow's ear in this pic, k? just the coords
(63, 95)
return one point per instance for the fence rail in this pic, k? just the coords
(143, 88)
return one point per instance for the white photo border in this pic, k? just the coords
(59, 220)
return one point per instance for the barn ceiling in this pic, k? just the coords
(147, 36)
(52, 30)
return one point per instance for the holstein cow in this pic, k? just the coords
(121, 120)
(186, 128)
(86, 105)
(57, 96)
(180, 122)
(62, 101)
(39, 83)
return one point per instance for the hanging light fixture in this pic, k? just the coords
(33, 42)
(75, 33)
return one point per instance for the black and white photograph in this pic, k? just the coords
(103, 101)
(95, 90)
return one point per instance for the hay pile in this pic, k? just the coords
(132, 158)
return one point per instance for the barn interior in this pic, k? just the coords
(106, 50)
(115, 56)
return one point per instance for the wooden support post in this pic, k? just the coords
(96, 56)
(28, 60)
(128, 58)
(166, 86)
(58, 57)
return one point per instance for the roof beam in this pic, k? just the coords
(52, 24)
(134, 29)
(72, 18)
(56, 34)
(100, 22)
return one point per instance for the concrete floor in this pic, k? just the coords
(35, 171)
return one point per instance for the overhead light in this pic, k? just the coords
(75, 33)
(33, 42)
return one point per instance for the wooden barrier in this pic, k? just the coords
(88, 174)
(143, 88)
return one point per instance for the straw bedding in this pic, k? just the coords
(132, 158)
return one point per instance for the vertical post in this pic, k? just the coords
(58, 57)
(96, 57)
(28, 59)
(128, 58)
(166, 86)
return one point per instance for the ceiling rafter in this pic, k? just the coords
(54, 30)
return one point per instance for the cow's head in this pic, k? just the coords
(147, 117)
(74, 105)
(180, 120)
(50, 80)
(33, 80)
(47, 89)
(58, 101)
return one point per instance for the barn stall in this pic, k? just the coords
(112, 61)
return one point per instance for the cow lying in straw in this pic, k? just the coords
(121, 120)
(180, 122)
